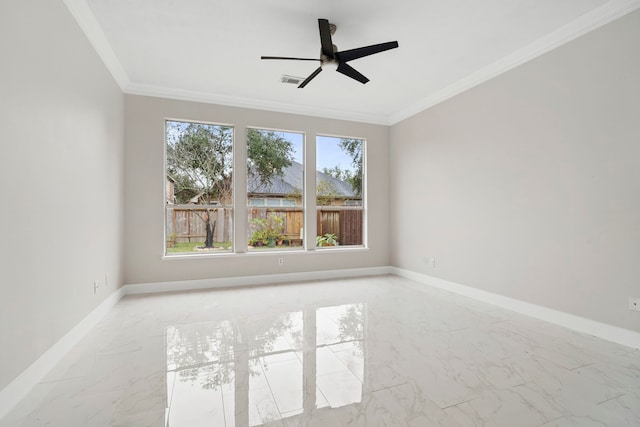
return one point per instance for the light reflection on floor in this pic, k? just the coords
(250, 373)
(371, 351)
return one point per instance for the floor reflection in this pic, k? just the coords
(252, 371)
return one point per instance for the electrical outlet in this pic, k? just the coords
(634, 303)
(280, 261)
(429, 261)
(96, 285)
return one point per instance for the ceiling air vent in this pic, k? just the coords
(291, 79)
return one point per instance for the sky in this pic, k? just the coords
(328, 152)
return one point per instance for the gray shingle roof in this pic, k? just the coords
(291, 182)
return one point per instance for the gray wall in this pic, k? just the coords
(61, 116)
(529, 184)
(144, 194)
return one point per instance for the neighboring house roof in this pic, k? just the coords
(291, 182)
(196, 199)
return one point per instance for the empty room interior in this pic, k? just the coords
(360, 213)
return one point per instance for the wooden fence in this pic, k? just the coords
(186, 223)
(345, 223)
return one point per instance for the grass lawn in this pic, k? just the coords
(191, 246)
(188, 247)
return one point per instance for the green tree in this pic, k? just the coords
(338, 173)
(268, 154)
(325, 192)
(353, 147)
(200, 162)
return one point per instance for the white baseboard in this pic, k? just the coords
(267, 279)
(19, 387)
(605, 331)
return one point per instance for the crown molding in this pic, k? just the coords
(598, 17)
(588, 22)
(85, 18)
(258, 104)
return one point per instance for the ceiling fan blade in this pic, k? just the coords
(349, 71)
(325, 38)
(349, 55)
(308, 79)
(288, 57)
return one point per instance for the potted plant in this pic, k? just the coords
(256, 238)
(328, 239)
(268, 231)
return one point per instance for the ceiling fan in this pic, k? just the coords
(330, 57)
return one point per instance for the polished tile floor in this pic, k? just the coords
(374, 351)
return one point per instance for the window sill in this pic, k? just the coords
(326, 250)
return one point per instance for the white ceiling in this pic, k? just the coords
(209, 50)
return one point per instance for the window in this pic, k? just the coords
(199, 187)
(257, 201)
(340, 191)
(199, 190)
(275, 189)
